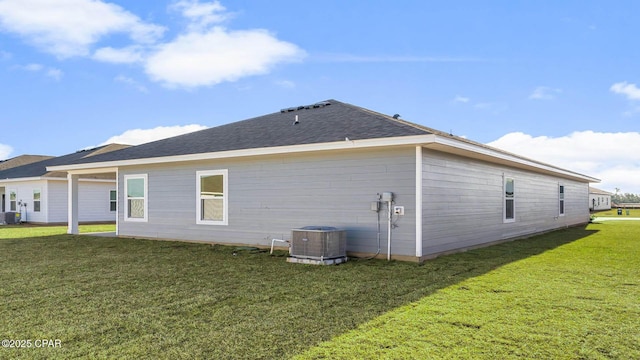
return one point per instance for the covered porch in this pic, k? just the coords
(73, 180)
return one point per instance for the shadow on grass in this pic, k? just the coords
(207, 301)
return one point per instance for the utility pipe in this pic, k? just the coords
(389, 232)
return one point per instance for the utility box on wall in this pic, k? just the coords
(318, 243)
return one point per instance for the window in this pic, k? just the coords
(212, 197)
(113, 200)
(12, 200)
(509, 200)
(561, 199)
(135, 186)
(36, 200)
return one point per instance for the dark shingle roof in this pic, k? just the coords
(22, 160)
(327, 121)
(39, 168)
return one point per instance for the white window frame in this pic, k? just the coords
(562, 191)
(39, 200)
(225, 197)
(505, 198)
(15, 202)
(113, 201)
(146, 197)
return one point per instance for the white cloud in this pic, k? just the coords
(287, 84)
(544, 93)
(30, 67)
(141, 136)
(611, 157)
(127, 55)
(351, 58)
(201, 15)
(461, 99)
(218, 55)
(203, 54)
(69, 28)
(130, 82)
(5, 151)
(631, 91)
(4, 55)
(53, 73)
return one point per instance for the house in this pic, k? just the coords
(40, 196)
(332, 164)
(21, 160)
(599, 199)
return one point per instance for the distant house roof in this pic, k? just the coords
(39, 168)
(324, 125)
(593, 190)
(22, 160)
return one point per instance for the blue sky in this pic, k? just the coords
(552, 80)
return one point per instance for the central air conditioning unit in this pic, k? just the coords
(11, 217)
(318, 245)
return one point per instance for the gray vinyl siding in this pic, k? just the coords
(270, 195)
(93, 201)
(57, 201)
(463, 202)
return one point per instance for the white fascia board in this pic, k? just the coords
(14, 180)
(454, 146)
(340, 145)
(433, 141)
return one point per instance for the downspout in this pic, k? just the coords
(389, 231)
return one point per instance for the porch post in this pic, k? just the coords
(72, 206)
(419, 202)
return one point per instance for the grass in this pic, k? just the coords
(26, 230)
(568, 294)
(614, 213)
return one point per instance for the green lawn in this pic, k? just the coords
(614, 213)
(569, 294)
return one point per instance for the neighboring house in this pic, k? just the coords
(21, 160)
(599, 199)
(41, 196)
(327, 164)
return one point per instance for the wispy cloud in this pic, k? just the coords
(5, 151)
(586, 152)
(50, 72)
(630, 91)
(130, 82)
(461, 99)
(5, 55)
(53, 73)
(127, 55)
(287, 84)
(544, 93)
(351, 58)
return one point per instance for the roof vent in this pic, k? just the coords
(308, 107)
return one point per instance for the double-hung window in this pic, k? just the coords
(212, 197)
(135, 188)
(561, 199)
(509, 200)
(113, 200)
(13, 202)
(36, 200)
